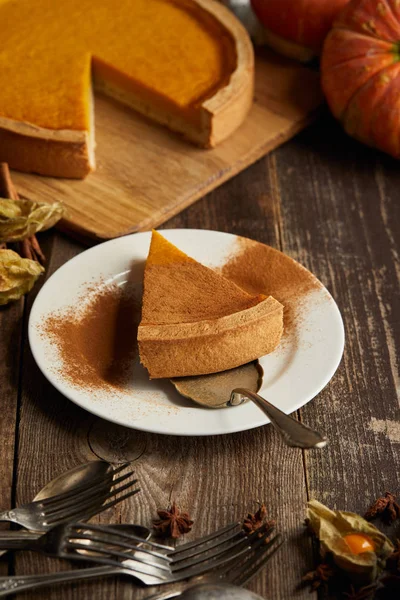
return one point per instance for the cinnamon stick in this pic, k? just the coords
(29, 248)
(7, 189)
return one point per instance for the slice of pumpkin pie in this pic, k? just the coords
(195, 321)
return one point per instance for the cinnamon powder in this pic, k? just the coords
(260, 269)
(96, 339)
(97, 342)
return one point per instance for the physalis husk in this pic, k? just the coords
(357, 547)
(17, 275)
(20, 219)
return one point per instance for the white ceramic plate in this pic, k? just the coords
(294, 373)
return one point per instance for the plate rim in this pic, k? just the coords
(68, 394)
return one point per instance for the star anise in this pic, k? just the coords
(322, 574)
(360, 593)
(393, 562)
(254, 521)
(172, 522)
(385, 506)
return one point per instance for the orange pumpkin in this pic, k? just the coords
(297, 28)
(361, 72)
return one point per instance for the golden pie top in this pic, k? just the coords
(171, 49)
(178, 289)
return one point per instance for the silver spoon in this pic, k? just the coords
(218, 591)
(208, 591)
(233, 387)
(74, 477)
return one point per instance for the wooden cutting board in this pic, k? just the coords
(145, 174)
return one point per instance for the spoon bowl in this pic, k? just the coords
(73, 478)
(218, 591)
(214, 391)
(236, 386)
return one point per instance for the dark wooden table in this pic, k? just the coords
(333, 205)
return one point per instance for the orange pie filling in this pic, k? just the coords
(186, 64)
(171, 53)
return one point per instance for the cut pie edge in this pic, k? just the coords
(211, 346)
(70, 153)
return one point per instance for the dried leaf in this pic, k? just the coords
(20, 219)
(17, 275)
(332, 526)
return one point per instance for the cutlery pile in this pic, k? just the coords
(57, 528)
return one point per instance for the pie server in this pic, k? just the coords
(235, 386)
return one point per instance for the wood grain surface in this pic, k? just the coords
(331, 204)
(11, 321)
(145, 174)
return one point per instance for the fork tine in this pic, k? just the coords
(73, 547)
(261, 533)
(232, 570)
(83, 486)
(120, 499)
(211, 563)
(207, 558)
(233, 538)
(194, 571)
(108, 529)
(240, 574)
(258, 547)
(263, 556)
(234, 544)
(117, 490)
(184, 547)
(253, 549)
(87, 495)
(199, 554)
(114, 563)
(107, 540)
(88, 509)
(96, 510)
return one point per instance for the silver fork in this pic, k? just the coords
(234, 573)
(153, 563)
(80, 503)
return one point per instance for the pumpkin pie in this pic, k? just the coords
(195, 321)
(187, 64)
